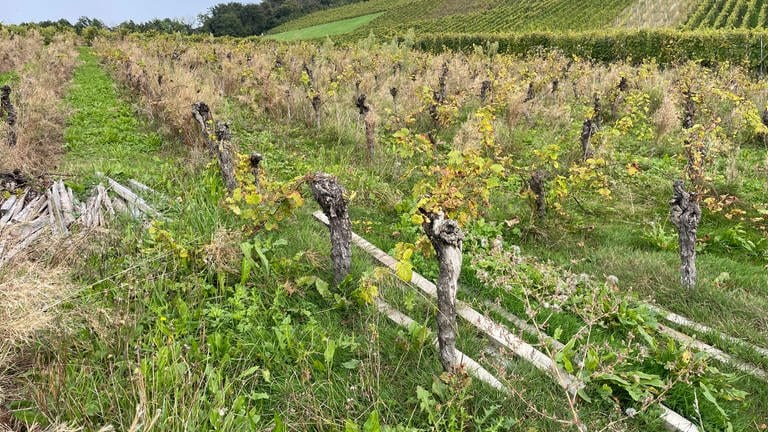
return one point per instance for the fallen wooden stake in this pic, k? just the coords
(701, 328)
(524, 326)
(501, 335)
(672, 333)
(714, 352)
(132, 198)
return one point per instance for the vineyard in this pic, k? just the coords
(516, 243)
(497, 16)
(470, 16)
(728, 14)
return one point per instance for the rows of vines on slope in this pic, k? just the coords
(728, 14)
(496, 16)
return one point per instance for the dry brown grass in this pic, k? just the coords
(28, 294)
(17, 50)
(169, 83)
(222, 254)
(41, 113)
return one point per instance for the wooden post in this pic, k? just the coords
(330, 196)
(446, 237)
(685, 214)
(7, 110)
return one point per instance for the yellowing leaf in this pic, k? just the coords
(404, 271)
(253, 199)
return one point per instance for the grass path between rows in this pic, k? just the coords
(103, 134)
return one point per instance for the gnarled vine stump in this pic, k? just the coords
(226, 155)
(218, 143)
(370, 125)
(530, 93)
(485, 91)
(536, 183)
(202, 115)
(329, 194)
(690, 108)
(588, 130)
(685, 214)
(255, 163)
(446, 237)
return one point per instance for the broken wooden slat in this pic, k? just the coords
(132, 198)
(28, 228)
(22, 245)
(67, 206)
(714, 352)
(32, 210)
(119, 205)
(54, 199)
(18, 204)
(105, 200)
(137, 185)
(524, 326)
(7, 204)
(701, 328)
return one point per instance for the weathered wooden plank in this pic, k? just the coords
(132, 198)
(701, 328)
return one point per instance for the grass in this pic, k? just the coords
(103, 134)
(9, 78)
(323, 30)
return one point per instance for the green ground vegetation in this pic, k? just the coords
(323, 30)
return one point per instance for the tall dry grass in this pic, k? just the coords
(41, 111)
(17, 50)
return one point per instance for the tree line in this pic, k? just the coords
(224, 19)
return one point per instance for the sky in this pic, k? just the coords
(111, 12)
